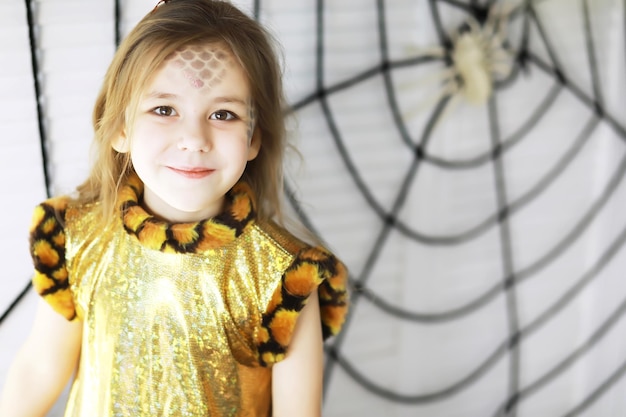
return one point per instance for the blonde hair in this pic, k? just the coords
(171, 26)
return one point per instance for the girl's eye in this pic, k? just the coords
(222, 115)
(164, 111)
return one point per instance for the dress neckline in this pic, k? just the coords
(196, 237)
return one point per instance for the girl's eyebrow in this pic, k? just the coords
(219, 99)
(227, 99)
(158, 94)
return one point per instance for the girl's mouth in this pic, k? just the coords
(194, 173)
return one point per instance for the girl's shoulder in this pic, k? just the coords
(47, 236)
(56, 211)
(313, 268)
(282, 237)
(47, 248)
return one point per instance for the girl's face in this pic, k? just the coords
(193, 133)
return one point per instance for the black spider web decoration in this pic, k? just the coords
(525, 60)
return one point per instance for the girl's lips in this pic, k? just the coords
(194, 173)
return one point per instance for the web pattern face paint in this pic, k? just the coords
(251, 121)
(203, 67)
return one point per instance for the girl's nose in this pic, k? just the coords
(195, 137)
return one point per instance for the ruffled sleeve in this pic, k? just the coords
(313, 268)
(47, 246)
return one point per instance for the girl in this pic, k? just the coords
(183, 294)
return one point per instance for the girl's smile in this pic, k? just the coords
(193, 172)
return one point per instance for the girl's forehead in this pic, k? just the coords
(201, 54)
(204, 66)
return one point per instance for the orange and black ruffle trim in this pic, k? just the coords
(47, 245)
(313, 268)
(197, 237)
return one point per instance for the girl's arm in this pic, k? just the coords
(42, 366)
(297, 380)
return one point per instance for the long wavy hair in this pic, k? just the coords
(172, 25)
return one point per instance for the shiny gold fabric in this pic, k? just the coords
(169, 334)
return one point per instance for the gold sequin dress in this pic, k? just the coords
(178, 319)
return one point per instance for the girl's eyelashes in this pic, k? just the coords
(168, 111)
(165, 111)
(223, 115)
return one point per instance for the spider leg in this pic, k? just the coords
(501, 62)
(498, 18)
(432, 52)
(474, 26)
(444, 75)
(450, 87)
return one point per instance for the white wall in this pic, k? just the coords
(562, 239)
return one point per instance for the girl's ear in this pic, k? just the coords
(255, 144)
(120, 143)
